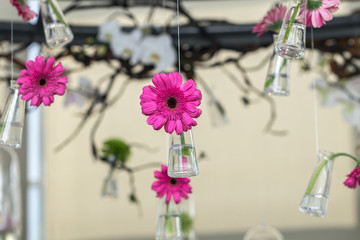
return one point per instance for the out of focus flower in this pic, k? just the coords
(318, 12)
(124, 45)
(156, 50)
(272, 21)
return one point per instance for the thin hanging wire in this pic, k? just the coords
(178, 29)
(12, 45)
(316, 117)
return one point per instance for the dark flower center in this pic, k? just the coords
(42, 82)
(171, 103)
(173, 182)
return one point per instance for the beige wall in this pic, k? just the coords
(228, 187)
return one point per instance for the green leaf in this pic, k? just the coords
(186, 223)
(118, 148)
(56, 12)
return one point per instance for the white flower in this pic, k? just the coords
(156, 50)
(108, 31)
(124, 45)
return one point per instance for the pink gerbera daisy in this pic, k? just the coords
(320, 11)
(353, 178)
(272, 21)
(23, 10)
(176, 187)
(171, 103)
(41, 81)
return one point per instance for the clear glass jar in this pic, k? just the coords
(182, 156)
(315, 200)
(292, 37)
(12, 120)
(56, 29)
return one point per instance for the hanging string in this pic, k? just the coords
(316, 118)
(12, 45)
(178, 29)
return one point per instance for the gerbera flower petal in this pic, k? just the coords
(353, 178)
(158, 82)
(148, 108)
(170, 126)
(159, 123)
(178, 127)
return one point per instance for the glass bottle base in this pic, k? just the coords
(192, 173)
(314, 205)
(276, 92)
(58, 35)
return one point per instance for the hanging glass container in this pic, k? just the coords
(56, 28)
(110, 185)
(187, 218)
(278, 75)
(10, 195)
(169, 222)
(315, 200)
(263, 232)
(292, 37)
(182, 156)
(12, 120)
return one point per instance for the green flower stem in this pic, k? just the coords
(292, 19)
(185, 149)
(56, 12)
(272, 78)
(317, 173)
(168, 220)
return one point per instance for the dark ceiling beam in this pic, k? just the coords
(229, 36)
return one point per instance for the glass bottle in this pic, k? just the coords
(56, 28)
(10, 195)
(110, 185)
(182, 156)
(12, 120)
(187, 217)
(292, 37)
(315, 200)
(278, 75)
(169, 222)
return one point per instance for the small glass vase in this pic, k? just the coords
(56, 28)
(12, 120)
(187, 217)
(110, 185)
(182, 156)
(292, 37)
(263, 232)
(315, 200)
(169, 222)
(278, 76)
(10, 192)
